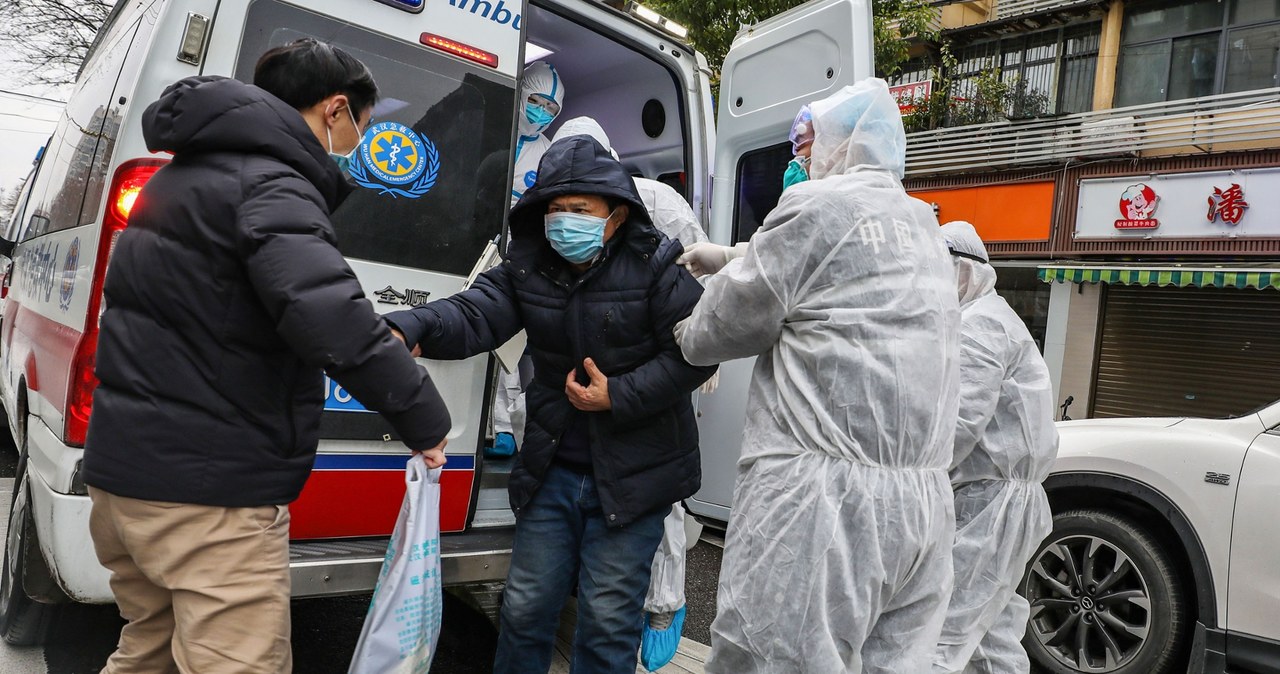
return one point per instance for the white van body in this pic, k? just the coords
(448, 72)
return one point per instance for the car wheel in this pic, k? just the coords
(1105, 597)
(23, 621)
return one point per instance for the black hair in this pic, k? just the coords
(307, 71)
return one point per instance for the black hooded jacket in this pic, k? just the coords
(620, 313)
(226, 302)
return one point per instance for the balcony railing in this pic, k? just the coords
(1245, 120)
(1010, 8)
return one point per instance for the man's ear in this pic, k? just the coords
(625, 211)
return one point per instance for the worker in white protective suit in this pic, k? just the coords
(541, 98)
(1005, 445)
(542, 95)
(836, 556)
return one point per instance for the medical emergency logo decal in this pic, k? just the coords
(1137, 208)
(395, 160)
(69, 266)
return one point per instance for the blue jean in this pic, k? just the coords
(561, 536)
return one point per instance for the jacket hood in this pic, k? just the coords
(217, 114)
(859, 126)
(575, 165)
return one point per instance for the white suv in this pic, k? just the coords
(1165, 551)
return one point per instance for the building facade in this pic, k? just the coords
(1128, 189)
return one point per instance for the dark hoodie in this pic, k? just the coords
(620, 312)
(226, 302)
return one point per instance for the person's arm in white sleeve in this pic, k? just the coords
(982, 371)
(743, 311)
(704, 258)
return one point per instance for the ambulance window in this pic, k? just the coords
(462, 115)
(759, 187)
(69, 161)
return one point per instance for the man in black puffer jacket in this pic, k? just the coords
(226, 302)
(610, 440)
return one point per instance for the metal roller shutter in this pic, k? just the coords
(1205, 352)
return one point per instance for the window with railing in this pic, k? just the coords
(1192, 48)
(1047, 72)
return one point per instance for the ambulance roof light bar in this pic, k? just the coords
(655, 19)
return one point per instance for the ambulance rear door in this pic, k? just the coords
(431, 177)
(773, 68)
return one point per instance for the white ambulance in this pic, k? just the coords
(448, 72)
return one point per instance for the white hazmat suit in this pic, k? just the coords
(539, 79)
(1005, 445)
(836, 557)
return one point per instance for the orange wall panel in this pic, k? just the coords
(1000, 213)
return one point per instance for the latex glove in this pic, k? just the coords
(705, 258)
(678, 332)
(709, 386)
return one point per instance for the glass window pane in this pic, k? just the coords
(1144, 71)
(1249, 11)
(1158, 20)
(1195, 65)
(464, 110)
(759, 187)
(1252, 55)
(1077, 84)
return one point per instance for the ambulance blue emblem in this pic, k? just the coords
(395, 160)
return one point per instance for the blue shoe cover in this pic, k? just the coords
(504, 446)
(657, 647)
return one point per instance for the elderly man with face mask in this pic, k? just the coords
(610, 441)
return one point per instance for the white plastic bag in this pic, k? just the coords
(666, 580)
(403, 626)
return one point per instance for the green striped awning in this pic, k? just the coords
(1213, 277)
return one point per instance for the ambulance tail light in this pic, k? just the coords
(82, 381)
(467, 52)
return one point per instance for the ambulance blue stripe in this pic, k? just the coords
(383, 462)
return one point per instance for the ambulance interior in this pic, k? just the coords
(634, 98)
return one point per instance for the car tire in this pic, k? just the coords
(1105, 597)
(23, 620)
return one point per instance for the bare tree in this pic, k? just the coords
(48, 39)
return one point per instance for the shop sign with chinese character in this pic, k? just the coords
(909, 95)
(1210, 204)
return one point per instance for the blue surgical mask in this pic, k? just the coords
(343, 160)
(797, 172)
(576, 237)
(538, 116)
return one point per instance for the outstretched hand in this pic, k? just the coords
(416, 351)
(592, 398)
(434, 456)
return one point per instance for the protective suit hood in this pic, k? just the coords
(975, 277)
(859, 126)
(585, 126)
(539, 78)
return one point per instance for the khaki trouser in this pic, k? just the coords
(205, 589)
